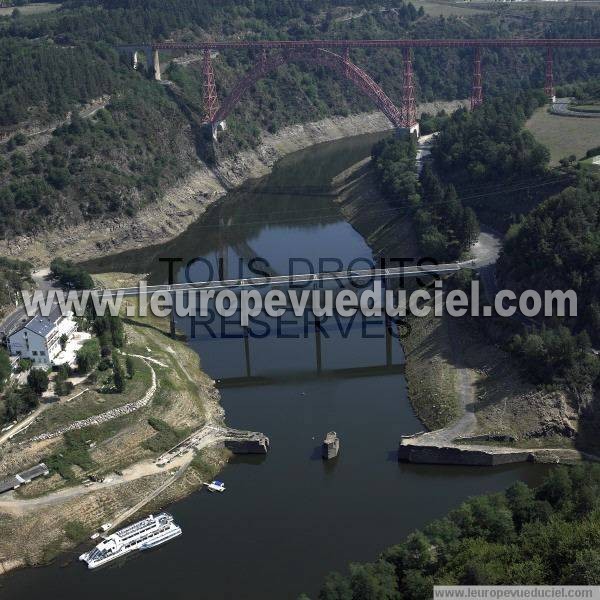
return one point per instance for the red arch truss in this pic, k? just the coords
(325, 58)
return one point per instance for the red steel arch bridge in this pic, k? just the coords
(335, 54)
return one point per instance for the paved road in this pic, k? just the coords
(485, 253)
(561, 107)
(11, 321)
(41, 282)
(288, 280)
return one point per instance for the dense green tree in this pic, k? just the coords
(490, 144)
(556, 355)
(557, 247)
(109, 330)
(524, 536)
(336, 587)
(88, 356)
(130, 367)
(18, 401)
(37, 380)
(118, 375)
(495, 164)
(394, 160)
(70, 275)
(5, 368)
(585, 569)
(445, 228)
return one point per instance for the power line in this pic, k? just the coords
(333, 211)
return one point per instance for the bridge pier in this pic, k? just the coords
(149, 59)
(409, 106)
(388, 325)
(247, 352)
(318, 345)
(549, 86)
(477, 90)
(155, 69)
(209, 95)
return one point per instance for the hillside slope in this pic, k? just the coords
(113, 162)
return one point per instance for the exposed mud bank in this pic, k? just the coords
(183, 203)
(451, 386)
(388, 231)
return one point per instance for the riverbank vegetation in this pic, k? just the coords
(547, 376)
(550, 244)
(524, 536)
(445, 228)
(555, 247)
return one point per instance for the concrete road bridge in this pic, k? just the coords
(304, 279)
(335, 55)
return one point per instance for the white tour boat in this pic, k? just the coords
(143, 535)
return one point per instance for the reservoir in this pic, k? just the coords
(288, 518)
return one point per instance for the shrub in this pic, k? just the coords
(5, 368)
(88, 356)
(37, 380)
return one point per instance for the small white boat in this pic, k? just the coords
(216, 486)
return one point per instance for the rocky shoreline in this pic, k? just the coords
(438, 368)
(183, 203)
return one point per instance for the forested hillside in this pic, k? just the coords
(557, 246)
(111, 163)
(15, 275)
(123, 157)
(445, 228)
(496, 165)
(551, 219)
(524, 536)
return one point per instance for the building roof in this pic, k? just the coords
(14, 481)
(42, 325)
(9, 483)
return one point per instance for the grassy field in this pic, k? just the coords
(519, 10)
(589, 164)
(564, 135)
(31, 9)
(592, 108)
(445, 9)
(92, 403)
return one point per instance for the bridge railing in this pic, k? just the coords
(290, 280)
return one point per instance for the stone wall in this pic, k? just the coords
(258, 445)
(453, 455)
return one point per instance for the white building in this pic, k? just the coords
(39, 338)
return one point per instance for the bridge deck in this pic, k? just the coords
(405, 43)
(290, 280)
